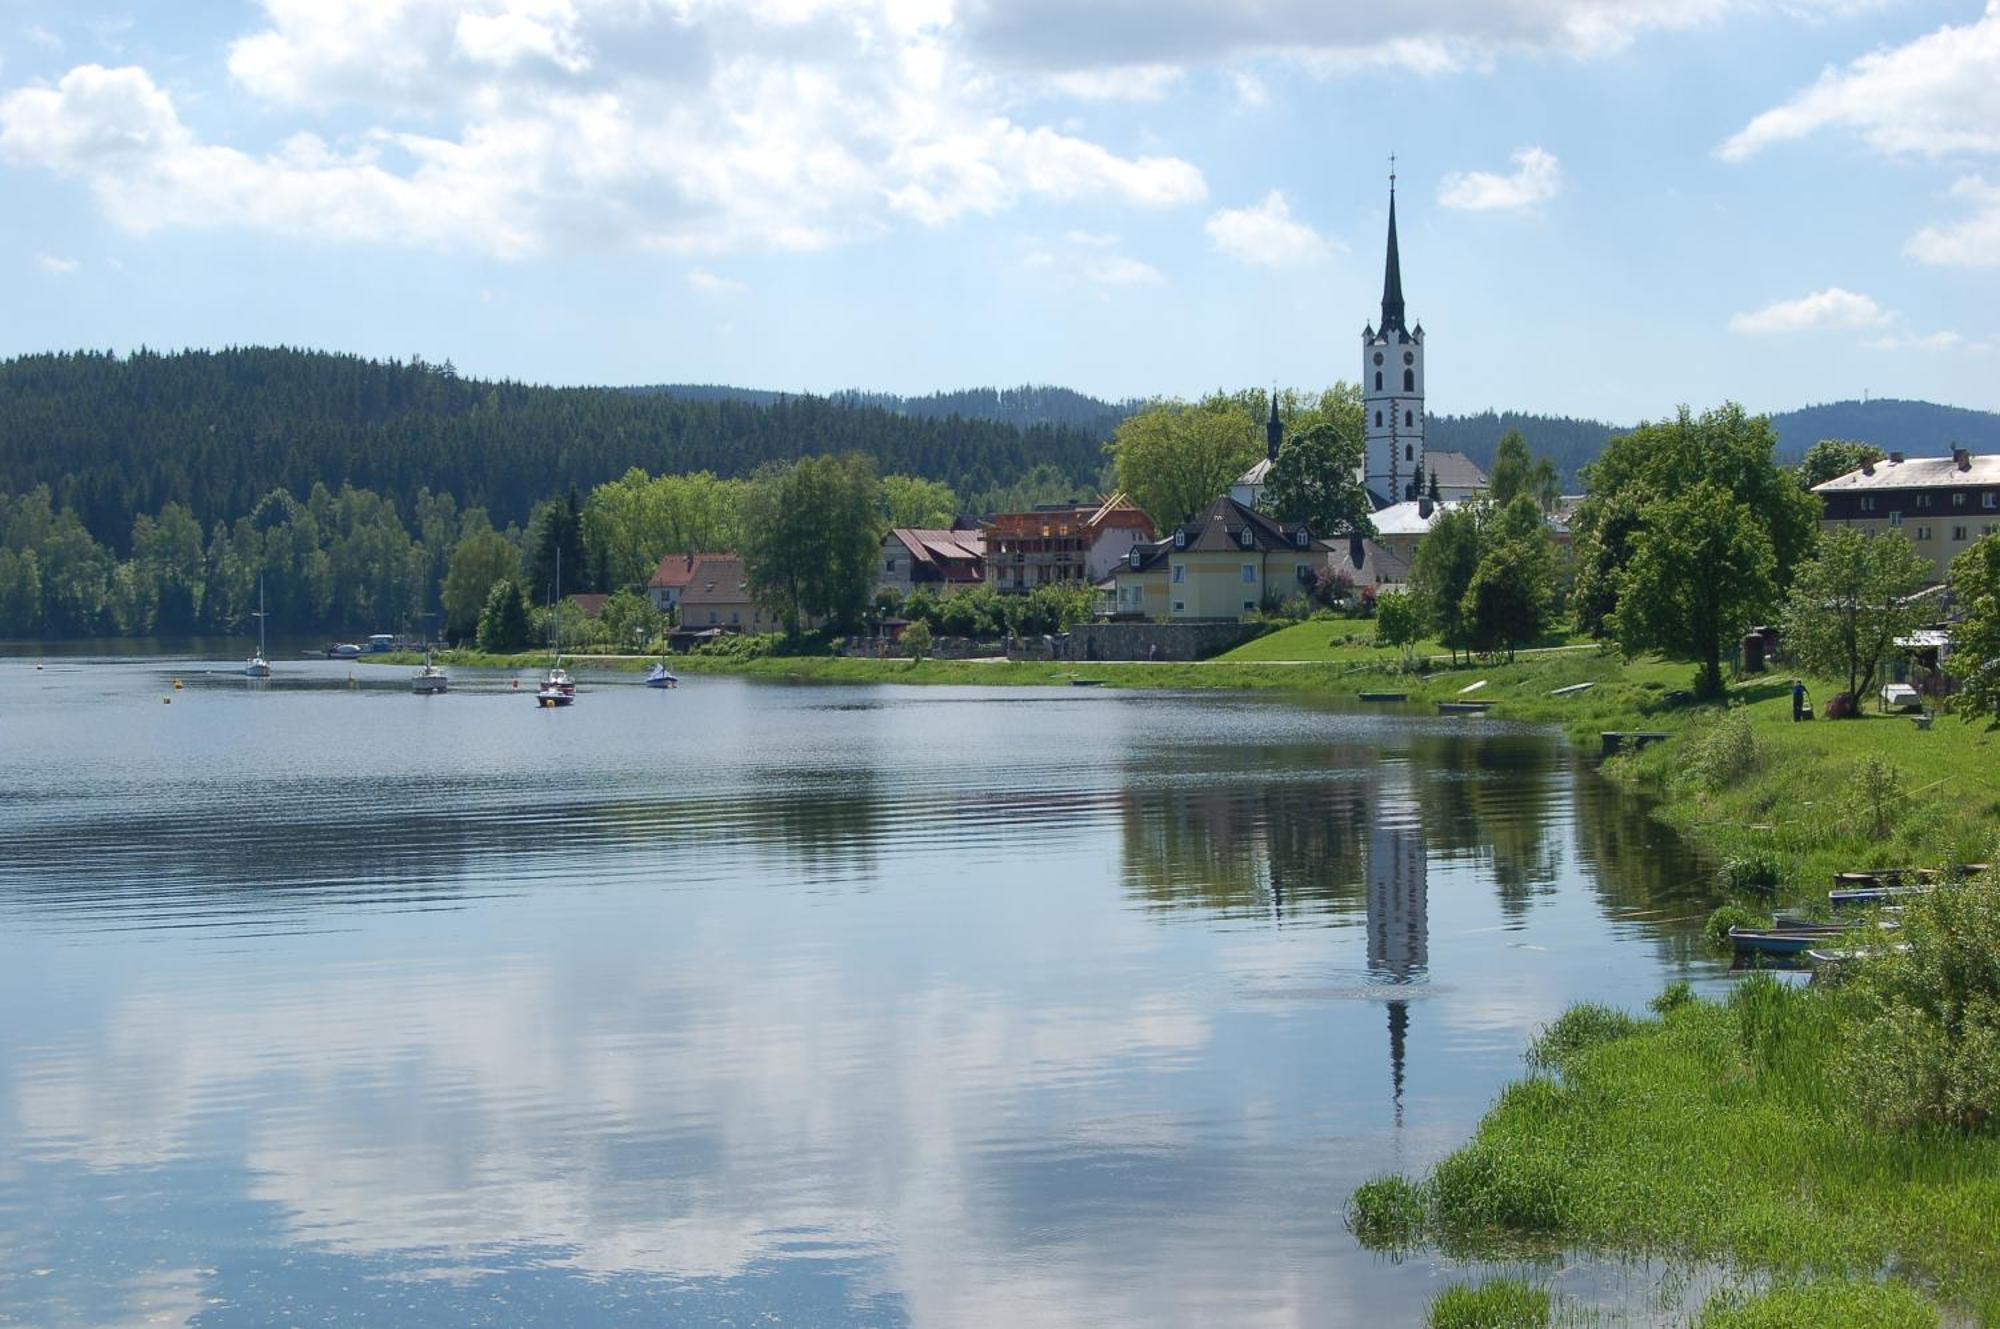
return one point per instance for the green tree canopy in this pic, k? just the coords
(812, 531)
(1702, 570)
(1316, 481)
(479, 561)
(631, 523)
(1444, 567)
(555, 539)
(1513, 468)
(1975, 638)
(503, 621)
(1850, 602)
(1399, 621)
(912, 501)
(1174, 459)
(1831, 458)
(1724, 448)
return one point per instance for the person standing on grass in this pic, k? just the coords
(1798, 700)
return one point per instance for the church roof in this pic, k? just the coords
(1392, 276)
(1454, 470)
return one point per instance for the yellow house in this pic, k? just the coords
(1138, 589)
(1943, 504)
(1230, 560)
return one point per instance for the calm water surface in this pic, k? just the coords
(751, 1003)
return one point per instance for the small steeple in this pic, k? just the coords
(1274, 428)
(1392, 273)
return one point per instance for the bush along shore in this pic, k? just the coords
(1834, 1145)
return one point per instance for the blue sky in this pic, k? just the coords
(1607, 206)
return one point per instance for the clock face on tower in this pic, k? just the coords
(1378, 357)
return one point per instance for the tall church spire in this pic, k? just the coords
(1274, 428)
(1392, 272)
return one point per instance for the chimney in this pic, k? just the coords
(1961, 458)
(1355, 553)
(1424, 507)
(1868, 468)
(1895, 459)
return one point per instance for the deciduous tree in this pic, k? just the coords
(480, 561)
(1975, 638)
(1850, 602)
(1702, 570)
(1316, 481)
(1174, 459)
(812, 530)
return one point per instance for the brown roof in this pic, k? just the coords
(591, 603)
(678, 570)
(953, 555)
(1116, 511)
(1220, 529)
(722, 580)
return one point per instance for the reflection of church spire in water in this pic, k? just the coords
(1399, 1028)
(1398, 883)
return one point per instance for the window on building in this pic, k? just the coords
(1378, 380)
(1923, 500)
(1409, 380)
(1180, 542)
(1958, 532)
(1895, 519)
(1923, 532)
(1989, 500)
(1409, 452)
(1409, 419)
(1249, 605)
(1248, 538)
(1180, 573)
(889, 565)
(1302, 537)
(1249, 574)
(1867, 503)
(1378, 419)
(1958, 500)
(1180, 606)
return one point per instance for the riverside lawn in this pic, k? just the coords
(1692, 1134)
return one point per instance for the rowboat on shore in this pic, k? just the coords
(1385, 696)
(1781, 941)
(1464, 707)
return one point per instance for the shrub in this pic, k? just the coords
(1498, 1303)
(1676, 995)
(917, 640)
(1748, 874)
(1875, 795)
(1386, 1213)
(1928, 1046)
(1584, 1025)
(1722, 753)
(1850, 1303)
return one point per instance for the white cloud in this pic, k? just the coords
(1132, 83)
(1089, 259)
(1831, 308)
(708, 283)
(1934, 341)
(1973, 241)
(1331, 37)
(518, 126)
(56, 265)
(1537, 178)
(1251, 94)
(1937, 95)
(1265, 234)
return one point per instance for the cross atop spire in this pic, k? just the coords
(1392, 272)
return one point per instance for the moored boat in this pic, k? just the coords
(258, 666)
(1774, 941)
(1464, 707)
(1384, 696)
(431, 679)
(659, 676)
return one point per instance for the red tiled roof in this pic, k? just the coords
(677, 570)
(722, 580)
(591, 603)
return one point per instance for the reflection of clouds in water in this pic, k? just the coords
(694, 1129)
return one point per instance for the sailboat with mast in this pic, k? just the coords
(257, 666)
(558, 688)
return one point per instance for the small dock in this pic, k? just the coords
(1385, 696)
(1619, 740)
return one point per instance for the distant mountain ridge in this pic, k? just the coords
(1893, 424)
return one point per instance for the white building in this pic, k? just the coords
(1392, 389)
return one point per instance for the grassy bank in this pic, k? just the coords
(1718, 1131)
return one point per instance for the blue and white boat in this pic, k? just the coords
(659, 676)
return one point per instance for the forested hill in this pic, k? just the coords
(1570, 444)
(1023, 407)
(1920, 428)
(114, 437)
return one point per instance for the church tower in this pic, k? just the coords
(1392, 388)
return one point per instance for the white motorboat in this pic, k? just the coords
(431, 679)
(659, 676)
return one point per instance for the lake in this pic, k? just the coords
(752, 1003)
